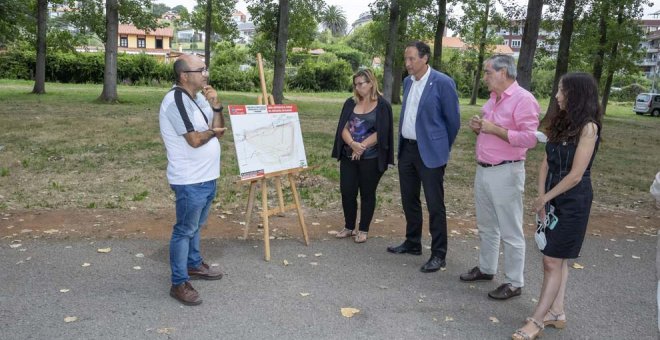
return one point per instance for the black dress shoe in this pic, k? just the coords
(405, 248)
(475, 274)
(433, 265)
(504, 292)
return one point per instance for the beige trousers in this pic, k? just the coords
(498, 196)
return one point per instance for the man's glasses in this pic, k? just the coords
(204, 72)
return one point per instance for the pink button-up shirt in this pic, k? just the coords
(518, 112)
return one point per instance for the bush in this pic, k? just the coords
(319, 76)
(17, 64)
(230, 78)
(354, 57)
(67, 67)
(627, 93)
(298, 58)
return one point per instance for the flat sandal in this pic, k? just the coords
(555, 322)
(345, 233)
(521, 335)
(361, 237)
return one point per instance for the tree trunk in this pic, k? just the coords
(280, 52)
(390, 50)
(109, 93)
(562, 55)
(207, 31)
(40, 71)
(482, 53)
(613, 61)
(602, 42)
(399, 64)
(528, 45)
(439, 33)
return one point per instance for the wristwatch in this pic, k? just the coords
(218, 109)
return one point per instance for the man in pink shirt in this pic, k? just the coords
(505, 130)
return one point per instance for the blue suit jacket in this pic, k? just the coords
(438, 118)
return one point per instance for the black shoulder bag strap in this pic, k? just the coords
(178, 99)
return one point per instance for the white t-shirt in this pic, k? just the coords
(178, 116)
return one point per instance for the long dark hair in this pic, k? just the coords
(582, 106)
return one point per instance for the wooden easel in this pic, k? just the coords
(264, 99)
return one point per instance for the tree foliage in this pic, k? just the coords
(221, 22)
(304, 16)
(333, 19)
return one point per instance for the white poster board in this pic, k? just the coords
(267, 139)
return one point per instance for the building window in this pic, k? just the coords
(506, 42)
(159, 43)
(515, 43)
(515, 30)
(123, 41)
(141, 42)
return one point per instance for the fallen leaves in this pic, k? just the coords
(285, 262)
(85, 264)
(493, 319)
(636, 257)
(70, 319)
(577, 266)
(165, 330)
(137, 267)
(64, 290)
(304, 294)
(104, 250)
(348, 312)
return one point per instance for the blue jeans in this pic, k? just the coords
(192, 208)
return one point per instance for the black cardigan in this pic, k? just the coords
(384, 136)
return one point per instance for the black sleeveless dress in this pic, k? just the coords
(572, 207)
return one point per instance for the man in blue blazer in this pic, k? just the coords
(428, 126)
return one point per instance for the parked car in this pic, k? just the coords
(647, 103)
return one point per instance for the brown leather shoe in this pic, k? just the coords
(475, 274)
(504, 292)
(204, 272)
(186, 294)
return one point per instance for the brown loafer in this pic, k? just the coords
(204, 272)
(504, 292)
(186, 294)
(475, 274)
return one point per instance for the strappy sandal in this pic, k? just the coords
(521, 335)
(361, 237)
(345, 233)
(555, 320)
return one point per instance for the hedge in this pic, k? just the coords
(85, 67)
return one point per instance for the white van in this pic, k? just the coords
(647, 103)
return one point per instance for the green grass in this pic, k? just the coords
(65, 150)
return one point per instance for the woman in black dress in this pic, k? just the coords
(565, 184)
(364, 147)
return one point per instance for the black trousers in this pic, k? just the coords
(412, 175)
(362, 175)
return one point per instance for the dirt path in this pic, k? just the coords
(115, 223)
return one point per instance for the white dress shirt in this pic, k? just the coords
(412, 104)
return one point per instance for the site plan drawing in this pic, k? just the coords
(267, 139)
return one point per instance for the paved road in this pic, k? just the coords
(611, 298)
